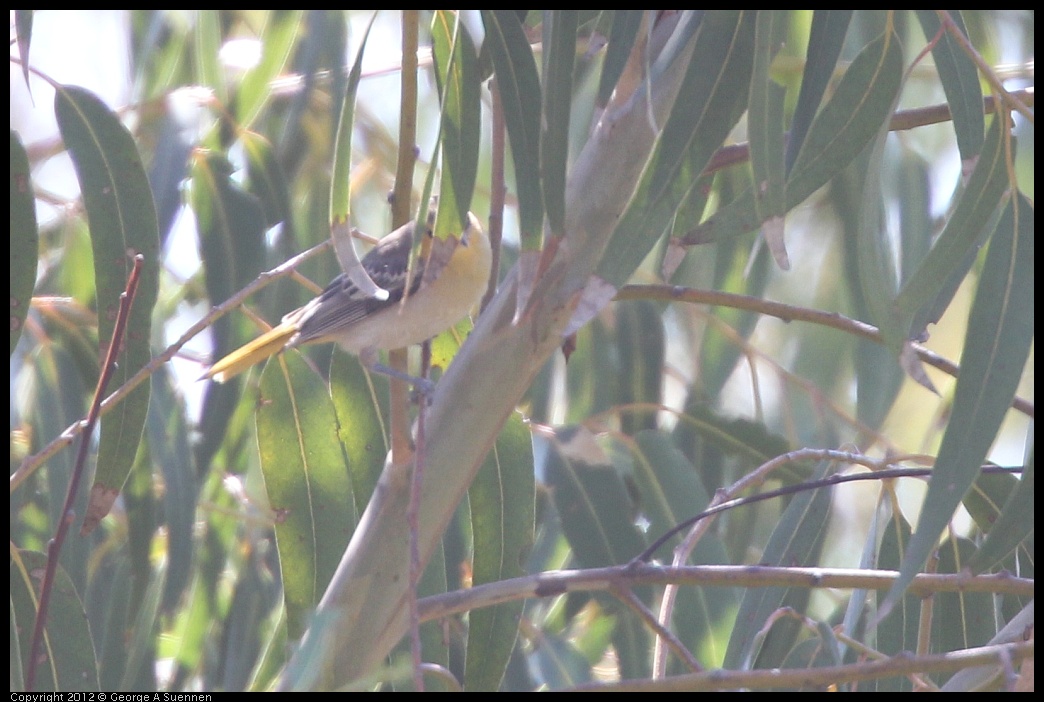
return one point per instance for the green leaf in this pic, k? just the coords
(670, 488)
(640, 348)
(559, 55)
(711, 100)
(592, 501)
(1004, 518)
(207, 64)
(765, 120)
(897, 633)
(267, 181)
(997, 344)
(520, 92)
(825, 41)
(751, 443)
(141, 640)
(631, 643)
(796, 541)
(874, 254)
(162, 58)
(340, 182)
(960, 619)
(960, 81)
(914, 195)
(734, 272)
(69, 663)
(360, 400)
(57, 400)
(277, 41)
(111, 607)
(878, 376)
(142, 517)
(306, 480)
(502, 518)
(122, 219)
(671, 491)
(231, 228)
(457, 74)
(927, 291)
(240, 646)
(23, 238)
(558, 664)
(168, 435)
(434, 643)
(24, 31)
(622, 36)
(853, 117)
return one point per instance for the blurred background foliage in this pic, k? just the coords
(229, 123)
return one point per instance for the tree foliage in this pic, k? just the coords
(681, 185)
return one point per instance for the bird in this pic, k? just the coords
(363, 324)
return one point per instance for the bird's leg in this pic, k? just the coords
(422, 386)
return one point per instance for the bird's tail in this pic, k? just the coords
(268, 344)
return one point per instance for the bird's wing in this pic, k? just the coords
(342, 304)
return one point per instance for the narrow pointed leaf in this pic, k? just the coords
(622, 36)
(268, 182)
(927, 291)
(70, 664)
(277, 41)
(999, 504)
(899, 632)
(874, 254)
(122, 220)
(559, 56)
(640, 346)
(502, 517)
(24, 30)
(960, 82)
(1000, 334)
(592, 501)
(168, 435)
(520, 94)
(765, 125)
(796, 540)
(825, 41)
(360, 400)
(709, 104)
(842, 129)
(457, 74)
(306, 480)
(960, 619)
(23, 238)
(340, 182)
(231, 229)
(206, 63)
(859, 106)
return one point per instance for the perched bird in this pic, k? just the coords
(363, 324)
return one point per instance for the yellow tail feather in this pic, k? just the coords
(268, 344)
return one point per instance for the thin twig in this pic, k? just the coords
(54, 546)
(1010, 98)
(560, 582)
(826, 676)
(725, 499)
(902, 120)
(662, 632)
(31, 463)
(401, 213)
(790, 313)
(498, 189)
